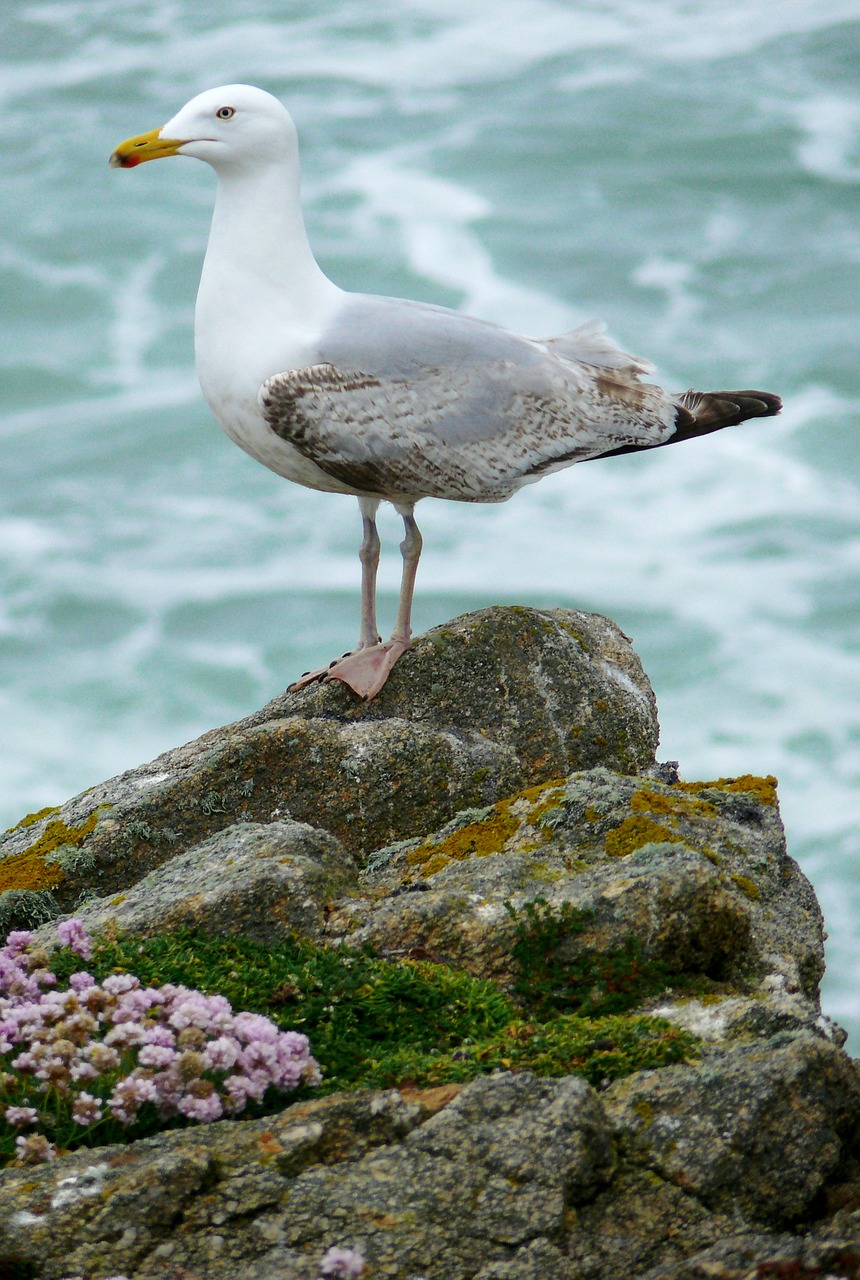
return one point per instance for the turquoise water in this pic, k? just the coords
(687, 171)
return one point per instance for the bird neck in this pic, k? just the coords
(259, 256)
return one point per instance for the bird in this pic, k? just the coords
(387, 399)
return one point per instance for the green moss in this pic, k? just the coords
(378, 1023)
(33, 867)
(553, 973)
(599, 1049)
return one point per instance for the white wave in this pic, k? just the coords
(433, 45)
(433, 220)
(830, 146)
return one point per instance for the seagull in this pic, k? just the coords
(384, 398)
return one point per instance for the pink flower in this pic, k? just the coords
(258, 1056)
(203, 1108)
(126, 1036)
(192, 1008)
(118, 983)
(73, 935)
(128, 1097)
(17, 941)
(34, 1149)
(162, 1036)
(83, 1071)
(253, 1026)
(102, 1056)
(221, 1054)
(156, 1055)
(86, 1109)
(341, 1262)
(81, 981)
(244, 1088)
(132, 1005)
(20, 1117)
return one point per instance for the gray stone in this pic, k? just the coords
(438, 1183)
(698, 884)
(756, 1130)
(492, 702)
(261, 881)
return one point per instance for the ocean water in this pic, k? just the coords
(686, 170)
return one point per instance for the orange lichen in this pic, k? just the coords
(764, 789)
(646, 801)
(489, 834)
(30, 819)
(634, 833)
(29, 868)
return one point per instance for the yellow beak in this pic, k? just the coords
(146, 146)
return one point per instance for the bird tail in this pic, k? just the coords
(698, 413)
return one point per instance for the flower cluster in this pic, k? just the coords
(97, 1052)
(344, 1264)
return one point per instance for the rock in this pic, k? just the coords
(765, 1125)
(490, 703)
(260, 880)
(497, 811)
(750, 1255)
(436, 1182)
(698, 878)
(561, 689)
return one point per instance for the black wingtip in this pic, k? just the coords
(752, 404)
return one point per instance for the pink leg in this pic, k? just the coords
(368, 553)
(367, 669)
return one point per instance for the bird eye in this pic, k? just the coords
(225, 113)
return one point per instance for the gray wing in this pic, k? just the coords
(409, 400)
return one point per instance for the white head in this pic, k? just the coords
(234, 127)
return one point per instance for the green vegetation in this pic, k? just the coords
(555, 977)
(377, 1023)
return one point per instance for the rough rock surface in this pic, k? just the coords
(481, 707)
(508, 760)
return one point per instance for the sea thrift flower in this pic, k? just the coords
(221, 1054)
(201, 1102)
(156, 1056)
(17, 941)
(102, 1057)
(341, 1262)
(21, 1117)
(34, 1149)
(82, 1071)
(185, 1053)
(86, 1109)
(118, 983)
(126, 1035)
(73, 935)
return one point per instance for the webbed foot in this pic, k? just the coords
(364, 670)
